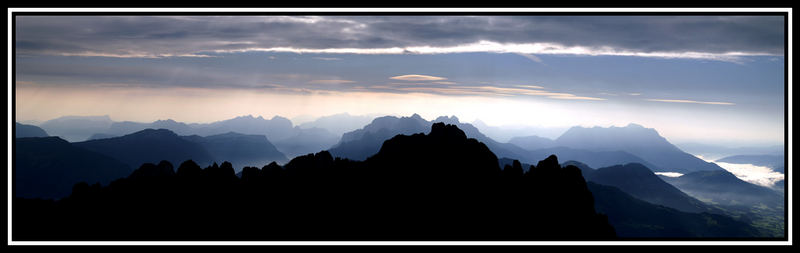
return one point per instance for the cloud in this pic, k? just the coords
(484, 90)
(530, 86)
(689, 101)
(417, 78)
(634, 94)
(444, 82)
(725, 38)
(759, 175)
(330, 81)
(669, 174)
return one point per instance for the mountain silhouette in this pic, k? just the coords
(364, 142)
(48, 167)
(76, 128)
(634, 218)
(640, 182)
(642, 142)
(288, 139)
(149, 146)
(437, 186)
(240, 149)
(23, 130)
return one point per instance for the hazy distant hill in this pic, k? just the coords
(532, 142)
(23, 130)
(239, 149)
(101, 136)
(644, 143)
(506, 133)
(339, 124)
(595, 159)
(714, 152)
(48, 167)
(76, 128)
(149, 146)
(306, 141)
(640, 182)
(632, 217)
(774, 162)
(760, 206)
(290, 140)
(724, 188)
(128, 127)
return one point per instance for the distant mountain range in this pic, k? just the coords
(76, 128)
(339, 124)
(289, 139)
(532, 142)
(506, 133)
(714, 152)
(597, 146)
(644, 143)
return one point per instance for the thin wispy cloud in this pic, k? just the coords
(689, 101)
(530, 86)
(331, 81)
(417, 78)
(445, 82)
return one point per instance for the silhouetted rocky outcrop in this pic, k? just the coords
(439, 186)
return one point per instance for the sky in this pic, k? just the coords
(707, 79)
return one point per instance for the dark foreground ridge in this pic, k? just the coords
(440, 186)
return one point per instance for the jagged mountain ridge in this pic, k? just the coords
(450, 196)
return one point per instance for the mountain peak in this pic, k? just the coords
(449, 120)
(440, 129)
(161, 132)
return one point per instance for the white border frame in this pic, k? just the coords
(788, 54)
